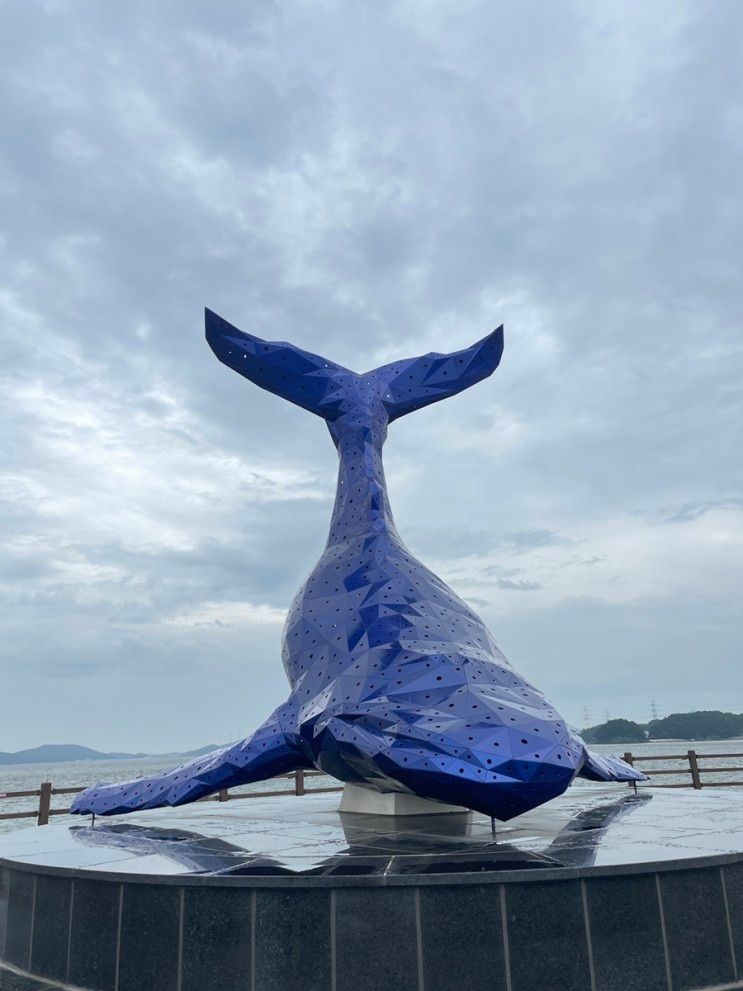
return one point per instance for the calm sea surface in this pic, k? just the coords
(25, 777)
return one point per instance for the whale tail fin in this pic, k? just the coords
(328, 389)
(306, 379)
(417, 382)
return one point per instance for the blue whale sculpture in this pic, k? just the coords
(396, 684)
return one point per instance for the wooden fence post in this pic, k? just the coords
(696, 781)
(629, 759)
(299, 782)
(45, 803)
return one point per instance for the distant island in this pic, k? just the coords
(701, 725)
(52, 753)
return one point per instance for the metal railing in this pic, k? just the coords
(694, 769)
(44, 810)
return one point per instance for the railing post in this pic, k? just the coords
(45, 803)
(299, 782)
(223, 795)
(696, 781)
(629, 759)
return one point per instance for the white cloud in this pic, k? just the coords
(612, 560)
(239, 614)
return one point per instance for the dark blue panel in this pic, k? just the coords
(51, 926)
(216, 939)
(734, 893)
(696, 928)
(626, 933)
(364, 962)
(94, 934)
(150, 919)
(547, 937)
(462, 937)
(395, 682)
(292, 940)
(4, 884)
(12, 982)
(19, 922)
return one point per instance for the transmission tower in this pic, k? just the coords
(586, 717)
(653, 709)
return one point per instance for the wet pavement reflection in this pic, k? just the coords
(308, 836)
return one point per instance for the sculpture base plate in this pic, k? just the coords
(368, 801)
(286, 893)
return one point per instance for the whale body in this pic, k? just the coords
(396, 683)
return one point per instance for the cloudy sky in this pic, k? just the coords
(369, 181)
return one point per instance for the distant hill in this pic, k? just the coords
(52, 753)
(615, 731)
(703, 725)
(200, 752)
(700, 725)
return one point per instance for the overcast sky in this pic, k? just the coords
(369, 181)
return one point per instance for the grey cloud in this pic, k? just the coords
(518, 586)
(359, 180)
(528, 539)
(455, 541)
(498, 570)
(461, 540)
(690, 511)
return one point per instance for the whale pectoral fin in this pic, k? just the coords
(596, 767)
(270, 751)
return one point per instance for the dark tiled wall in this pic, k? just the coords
(363, 960)
(217, 939)
(699, 946)
(20, 904)
(626, 933)
(94, 934)
(149, 937)
(732, 877)
(674, 931)
(51, 942)
(454, 919)
(11, 981)
(3, 908)
(292, 939)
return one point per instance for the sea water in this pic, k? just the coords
(78, 774)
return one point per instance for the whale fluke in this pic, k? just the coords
(418, 382)
(330, 390)
(305, 379)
